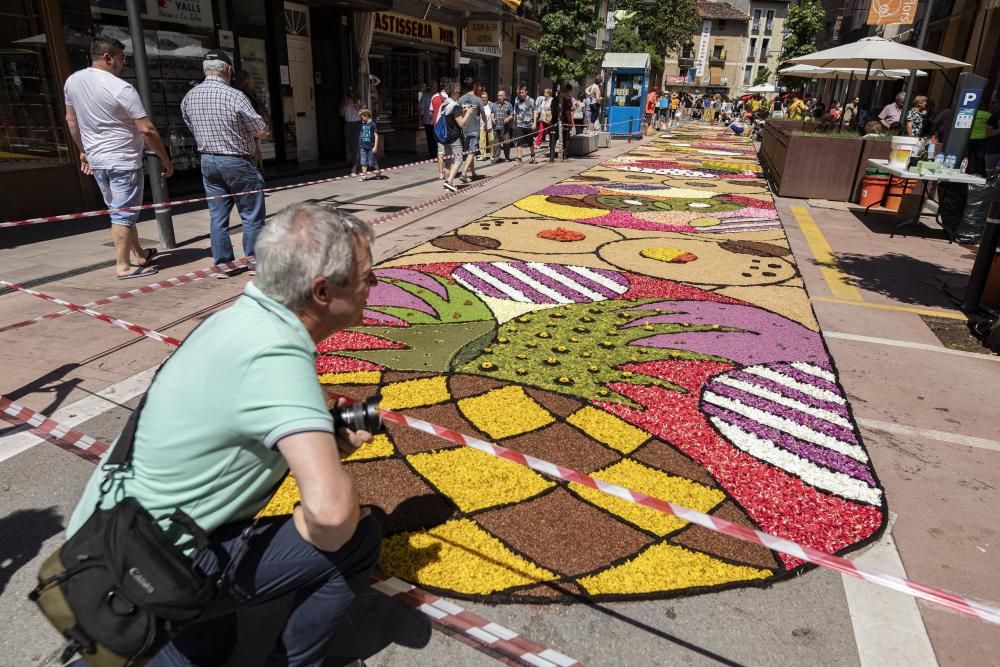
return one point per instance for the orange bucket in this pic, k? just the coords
(897, 188)
(872, 189)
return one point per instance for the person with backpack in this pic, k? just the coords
(436, 103)
(449, 131)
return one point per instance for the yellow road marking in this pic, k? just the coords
(947, 314)
(840, 285)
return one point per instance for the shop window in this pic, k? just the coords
(32, 130)
(250, 12)
(626, 92)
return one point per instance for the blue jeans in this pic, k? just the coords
(121, 188)
(224, 174)
(277, 562)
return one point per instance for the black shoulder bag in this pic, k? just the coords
(119, 589)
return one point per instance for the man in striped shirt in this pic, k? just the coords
(225, 126)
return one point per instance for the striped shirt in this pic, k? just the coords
(501, 112)
(221, 118)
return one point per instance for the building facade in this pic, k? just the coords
(765, 38)
(297, 58)
(714, 60)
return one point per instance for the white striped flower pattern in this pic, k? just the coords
(793, 416)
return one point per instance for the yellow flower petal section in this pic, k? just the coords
(415, 393)
(667, 567)
(605, 427)
(652, 482)
(284, 499)
(504, 412)
(458, 556)
(474, 480)
(542, 206)
(357, 377)
(379, 448)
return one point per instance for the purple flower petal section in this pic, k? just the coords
(415, 277)
(570, 189)
(388, 320)
(388, 295)
(763, 337)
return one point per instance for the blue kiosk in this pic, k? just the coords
(628, 81)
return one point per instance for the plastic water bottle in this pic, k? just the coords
(931, 151)
(949, 162)
(939, 160)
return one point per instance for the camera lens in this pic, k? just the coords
(361, 416)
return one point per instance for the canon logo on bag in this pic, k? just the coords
(143, 582)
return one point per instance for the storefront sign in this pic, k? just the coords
(493, 51)
(188, 12)
(409, 27)
(889, 12)
(482, 33)
(676, 80)
(524, 43)
(706, 33)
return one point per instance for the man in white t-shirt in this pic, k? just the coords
(110, 126)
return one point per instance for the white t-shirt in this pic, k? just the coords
(488, 110)
(106, 110)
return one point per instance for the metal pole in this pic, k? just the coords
(868, 104)
(984, 261)
(630, 129)
(843, 107)
(158, 186)
(928, 8)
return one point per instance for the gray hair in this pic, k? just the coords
(900, 98)
(304, 242)
(214, 66)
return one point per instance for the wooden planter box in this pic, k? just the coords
(808, 166)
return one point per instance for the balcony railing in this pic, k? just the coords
(763, 57)
(755, 28)
(715, 60)
(752, 55)
(685, 61)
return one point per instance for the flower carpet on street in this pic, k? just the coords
(643, 322)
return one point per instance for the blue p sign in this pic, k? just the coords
(969, 99)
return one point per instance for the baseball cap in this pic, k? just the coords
(218, 54)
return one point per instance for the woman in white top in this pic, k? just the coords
(349, 107)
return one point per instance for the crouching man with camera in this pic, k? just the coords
(229, 414)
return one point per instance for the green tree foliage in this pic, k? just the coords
(666, 25)
(763, 74)
(626, 39)
(804, 22)
(562, 46)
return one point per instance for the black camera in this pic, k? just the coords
(360, 416)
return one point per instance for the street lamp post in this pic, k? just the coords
(164, 221)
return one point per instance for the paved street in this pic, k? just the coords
(765, 360)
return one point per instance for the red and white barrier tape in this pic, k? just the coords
(194, 200)
(134, 328)
(69, 439)
(484, 631)
(184, 279)
(962, 605)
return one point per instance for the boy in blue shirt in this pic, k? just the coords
(368, 144)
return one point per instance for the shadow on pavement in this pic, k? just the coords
(902, 278)
(25, 531)
(53, 383)
(881, 222)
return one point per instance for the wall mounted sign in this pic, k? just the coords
(420, 30)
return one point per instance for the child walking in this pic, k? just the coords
(368, 144)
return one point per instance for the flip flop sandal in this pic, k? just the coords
(139, 272)
(150, 254)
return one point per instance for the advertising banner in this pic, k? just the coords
(890, 12)
(706, 33)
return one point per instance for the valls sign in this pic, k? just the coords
(412, 28)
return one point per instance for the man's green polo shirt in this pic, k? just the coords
(241, 382)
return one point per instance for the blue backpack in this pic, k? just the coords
(441, 126)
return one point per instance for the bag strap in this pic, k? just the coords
(121, 455)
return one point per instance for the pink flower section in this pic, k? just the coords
(627, 220)
(769, 495)
(355, 340)
(643, 287)
(336, 364)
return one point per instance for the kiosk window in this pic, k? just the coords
(627, 89)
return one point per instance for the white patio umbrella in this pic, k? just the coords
(878, 53)
(762, 88)
(811, 72)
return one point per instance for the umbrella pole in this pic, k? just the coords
(833, 89)
(843, 107)
(928, 8)
(868, 104)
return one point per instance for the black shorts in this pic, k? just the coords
(524, 136)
